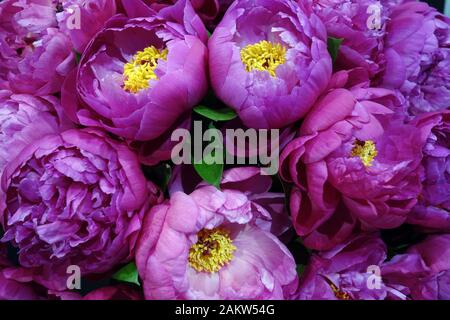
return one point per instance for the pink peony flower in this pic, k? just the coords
(423, 272)
(268, 60)
(141, 73)
(343, 273)
(216, 244)
(354, 164)
(75, 198)
(433, 209)
(417, 53)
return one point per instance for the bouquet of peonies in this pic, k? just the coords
(214, 149)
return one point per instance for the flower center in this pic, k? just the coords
(338, 293)
(141, 69)
(263, 56)
(213, 250)
(365, 150)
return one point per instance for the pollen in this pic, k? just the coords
(213, 250)
(263, 56)
(365, 150)
(141, 69)
(338, 293)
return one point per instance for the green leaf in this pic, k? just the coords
(77, 56)
(128, 273)
(159, 174)
(211, 173)
(300, 269)
(224, 114)
(333, 47)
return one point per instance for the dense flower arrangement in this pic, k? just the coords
(94, 205)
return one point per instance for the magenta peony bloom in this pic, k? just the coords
(353, 164)
(24, 119)
(433, 210)
(423, 272)
(82, 19)
(138, 76)
(43, 70)
(216, 244)
(417, 53)
(75, 198)
(360, 28)
(344, 273)
(25, 18)
(268, 60)
(35, 56)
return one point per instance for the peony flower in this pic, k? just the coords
(82, 19)
(43, 71)
(139, 75)
(34, 55)
(423, 272)
(354, 164)
(346, 272)
(268, 60)
(433, 210)
(361, 29)
(75, 198)
(217, 244)
(24, 119)
(26, 18)
(417, 53)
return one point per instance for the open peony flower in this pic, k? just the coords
(75, 198)
(82, 19)
(355, 163)
(268, 60)
(141, 73)
(217, 244)
(417, 53)
(345, 272)
(433, 210)
(423, 272)
(24, 119)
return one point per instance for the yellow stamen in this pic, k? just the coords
(213, 250)
(141, 69)
(338, 293)
(366, 151)
(263, 56)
